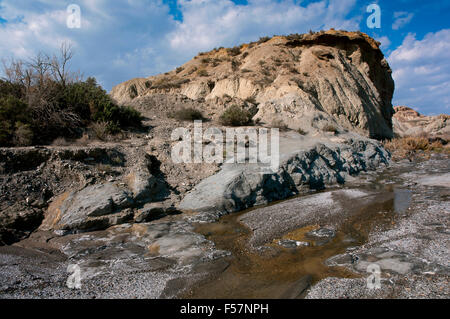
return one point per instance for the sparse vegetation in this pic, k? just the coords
(236, 116)
(167, 83)
(179, 69)
(234, 51)
(407, 146)
(41, 100)
(263, 40)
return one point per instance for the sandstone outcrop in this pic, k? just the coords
(307, 81)
(408, 122)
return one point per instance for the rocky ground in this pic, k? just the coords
(413, 254)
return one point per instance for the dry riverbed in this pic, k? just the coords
(316, 245)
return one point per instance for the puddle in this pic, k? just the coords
(272, 271)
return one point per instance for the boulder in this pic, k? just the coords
(94, 207)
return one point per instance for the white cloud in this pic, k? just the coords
(422, 72)
(210, 23)
(401, 19)
(385, 42)
(137, 38)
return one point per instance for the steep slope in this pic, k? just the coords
(307, 81)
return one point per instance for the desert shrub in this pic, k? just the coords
(148, 84)
(279, 124)
(179, 69)
(265, 81)
(202, 72)
(277, 61)
(251, 99)
(301, 131)
(263, 40)
(330, 128)
(402, 147)
(234, 51)
(187, 114)
(295, 37)
(165, 83)
(408, 144)
(236, 116)
(60, 141)
(235, 65)
(101, 130)
(205, 60)
(132, 91)
(246, 71)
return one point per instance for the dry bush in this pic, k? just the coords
(407, 146)
(234, 51)
(101, 130)
(330, 128)
(187, 114)
(60, 141)
(263, 39)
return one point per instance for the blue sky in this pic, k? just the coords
(122, 39)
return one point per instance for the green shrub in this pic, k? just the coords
(235, 116)
(14, 114)
(23, 135)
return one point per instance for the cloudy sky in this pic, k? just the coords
(122, 39)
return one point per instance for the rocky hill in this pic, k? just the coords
(408, 122)
(306, 81)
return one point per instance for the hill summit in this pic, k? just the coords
(305, 81)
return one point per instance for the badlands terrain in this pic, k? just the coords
(139, 225)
